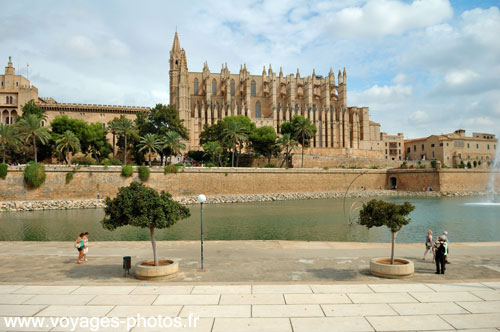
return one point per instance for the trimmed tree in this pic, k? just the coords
(378, 213)
(140, 206)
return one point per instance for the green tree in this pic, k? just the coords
(161, 119)
(31, 128)
(67, 142)
(214, 133)
(151, 142)
(140, 206)
(214, 151)
(113, 128)
(235, 132)
(125, 128)
(302, 130)
(9, 137)
(378, 213)
(286, 144)
(172, 142)
(31, 108)
(263, 141)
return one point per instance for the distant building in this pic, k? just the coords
(454, 149)
(16, 91)
(393, 146)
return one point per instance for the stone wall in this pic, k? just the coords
(87, 181)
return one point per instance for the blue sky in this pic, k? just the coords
(423, 67)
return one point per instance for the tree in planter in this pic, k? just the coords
(378, 213)
(140, 206)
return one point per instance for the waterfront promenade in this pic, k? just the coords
(254, 286)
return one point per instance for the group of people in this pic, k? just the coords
(439, 250)
(82, 245)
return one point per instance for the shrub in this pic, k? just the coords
(270, 166)
(403, 165)
(127, 170)
(3, 170)
(69, 177)
(421, 166)
(210, 165)
(475, 163)
(469, 165)
(84, 160)
(143, 172)
(374, 167)
(325, 168)
(170, 169)
(109, 162)
(179, 165)
(34, 174)
(433, 164)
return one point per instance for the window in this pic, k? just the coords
(196, 86)
(7, 100)
(468, 145)
(414, 148)
(423, 147)
(257, 110)
(385, 143)
(408, 150)
(433, 154)
(232, 88)
(488, 146)
(432, 145)
(477, 146)
(17, 83)
(399, 144)
(253, 89)
(440, 144)
(494, 147)
(214, 88)
(447, 144)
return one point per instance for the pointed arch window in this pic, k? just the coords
(214, 88)
(258, 113)
(232, 88)
(253, 88)
(196, 86)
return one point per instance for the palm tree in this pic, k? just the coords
(150, 142)
(236, 133)
(287, 144)
(124, 128)
(68, 142)
(303, 130)
(173, 141)
(31, 128)
(9, 136)
(112, 127)
(213, 150)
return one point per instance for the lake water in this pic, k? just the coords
(465, 218)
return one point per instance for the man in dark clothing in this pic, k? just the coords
(440, 249)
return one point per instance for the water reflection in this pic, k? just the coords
(466, 219)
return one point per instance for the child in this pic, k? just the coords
(85, 245)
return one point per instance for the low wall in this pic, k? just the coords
(88, 181)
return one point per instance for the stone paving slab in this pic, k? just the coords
(252, 299)
(381, 298)
(341, 288)
(252, 325)
(101, 290)
(331, 324)
(19, 309)
(481, 307)
(74, 311)
(123, 299)
(281, 289)
(473, 321)
(203, 325)
(60, 299)
(187, 299)
(409, 323)
(346, 310)
(37, 290)
(236, 289)
(399, 288)
(428, 308)
(445, 297)
(14, 298)
(145, 311)
(156, 290)
(316, 298)
(458, 287)
(234, 311)
(487, 295)
(4, 328)
(7, 289)
(289, 310)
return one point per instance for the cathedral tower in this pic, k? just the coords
(179, 86)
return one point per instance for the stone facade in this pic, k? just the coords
(270, 99)
(454, 148)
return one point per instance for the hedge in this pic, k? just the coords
(34, 174)
(3, 170)
(143, 172)
(127, 170)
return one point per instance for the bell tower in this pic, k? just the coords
(179, 86)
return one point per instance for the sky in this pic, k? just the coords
(423, 67)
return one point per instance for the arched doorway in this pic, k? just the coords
(393, 182)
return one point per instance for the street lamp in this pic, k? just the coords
(201, 198)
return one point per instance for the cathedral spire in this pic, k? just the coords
(176, 47)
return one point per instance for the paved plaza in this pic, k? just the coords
(252, 286)
(269, 307)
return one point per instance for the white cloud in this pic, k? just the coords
(379, 18)
(384, 94)
(458, 77)
(82, 46)
(482, 121)
(117, 48)
(418, 117)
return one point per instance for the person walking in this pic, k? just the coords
(79, 247)
(85, 245)
(428, 245)
(445, 236)
(440, 249)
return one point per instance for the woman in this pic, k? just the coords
(85, 245)
(79, 247)
(428, 245)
